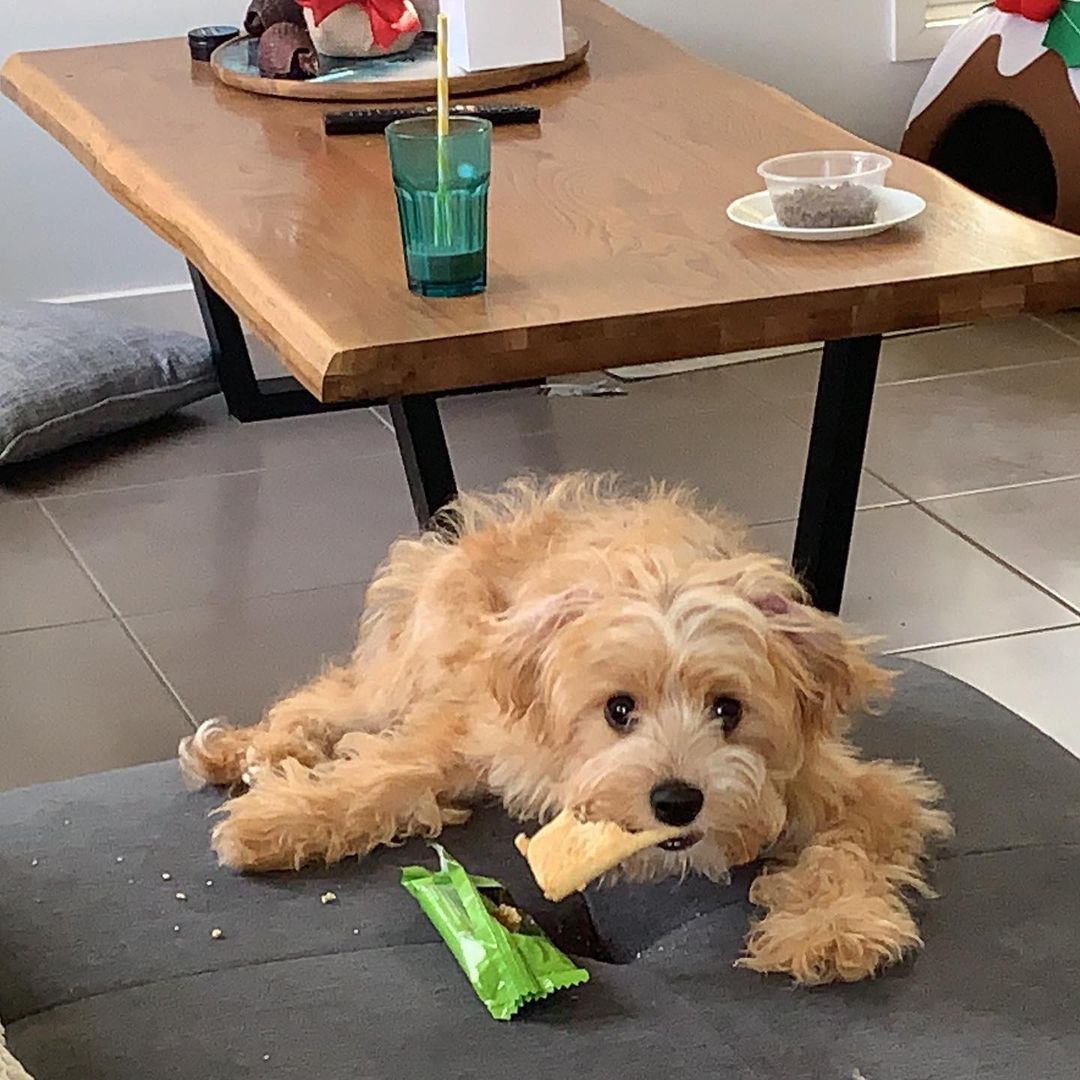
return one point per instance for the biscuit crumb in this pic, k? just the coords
(508, 916)
(328, 897)
(216, 933)
(181, 896)
(166, 876)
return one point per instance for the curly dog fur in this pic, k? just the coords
(488, 655)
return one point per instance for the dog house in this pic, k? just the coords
(1000, 112)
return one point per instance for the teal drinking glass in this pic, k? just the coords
(442, 197)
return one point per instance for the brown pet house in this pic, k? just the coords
(1002, 115)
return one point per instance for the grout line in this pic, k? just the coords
(1056, 329)
(118, 617)
(782, 401)
(43, 498)
(980, 371)
(151, 483)
(902, 498)
(990, 489)
(361, 584)
(156, 668)
(914, 650)
(375, 411)
(1023, 575)
(105, 617)
(893, 504)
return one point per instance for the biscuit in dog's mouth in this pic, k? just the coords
(680, 843)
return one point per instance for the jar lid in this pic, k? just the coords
(203, 40)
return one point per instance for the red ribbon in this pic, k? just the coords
(389, 18)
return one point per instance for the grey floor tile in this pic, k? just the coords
(235, 660)
(41, 584)
(1034, 528)
(218, 539)
(928, 354)
(1035, 675)
(481, 419)
(994, 428)
(80, 699)
(743, 455)
(1068, 322)
(982, 346)
(915, 583)
(198, 441)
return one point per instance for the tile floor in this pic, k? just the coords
(198, 567)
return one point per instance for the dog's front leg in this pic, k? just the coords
(835, 908)
(384, 788)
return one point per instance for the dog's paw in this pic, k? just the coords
(245, 840)
(832, 945)
(274, 825)
(835, 916)
(213, 755)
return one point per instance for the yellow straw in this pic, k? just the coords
(444, 78)
(442, 206)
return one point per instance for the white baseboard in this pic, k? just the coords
(166, 307)
(117, 294)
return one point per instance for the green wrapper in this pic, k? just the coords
(507, 968)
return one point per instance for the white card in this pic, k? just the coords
(485, 34)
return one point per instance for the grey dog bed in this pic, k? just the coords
(95, 982)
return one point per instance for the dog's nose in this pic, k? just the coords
(676, 803)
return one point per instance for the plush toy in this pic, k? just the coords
(293, 32)
(358, 28)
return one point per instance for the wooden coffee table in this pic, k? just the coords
(609, 245)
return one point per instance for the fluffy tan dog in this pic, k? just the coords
(629, 657)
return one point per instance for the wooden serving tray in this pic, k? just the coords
(399, 77)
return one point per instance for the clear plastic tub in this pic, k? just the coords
(823, 189)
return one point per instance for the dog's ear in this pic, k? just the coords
(521, 637)
(834, 674)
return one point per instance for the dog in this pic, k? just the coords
(572, 644)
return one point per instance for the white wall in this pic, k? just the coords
(832, 55)
(62, 236)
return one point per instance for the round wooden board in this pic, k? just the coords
(401, 77)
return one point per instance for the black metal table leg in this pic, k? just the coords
(834, 466)
(424, 454)
(248, 397)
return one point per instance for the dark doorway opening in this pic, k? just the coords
(999, 151)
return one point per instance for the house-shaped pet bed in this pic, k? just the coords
(1000, 108)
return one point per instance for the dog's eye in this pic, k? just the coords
(728, 711)
(619, 711)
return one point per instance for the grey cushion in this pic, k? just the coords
(67, 374)
(94, 981)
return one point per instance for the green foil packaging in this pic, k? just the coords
(507, 967)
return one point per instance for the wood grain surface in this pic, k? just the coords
(400, 89)
(609, 242)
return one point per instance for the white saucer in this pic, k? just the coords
(894, 207)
